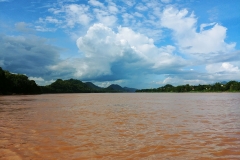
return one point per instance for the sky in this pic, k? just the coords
(133, 43)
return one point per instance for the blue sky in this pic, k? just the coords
(135, 43)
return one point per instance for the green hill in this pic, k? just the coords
(115, 87)
(93, 86)
(67, 86)
(16, 84)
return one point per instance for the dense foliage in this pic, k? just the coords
(67, 86)
(231, 86)
(77, 86)
(17, 84)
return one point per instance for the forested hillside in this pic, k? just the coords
(67, 86)
(77, 86)
(17, 84)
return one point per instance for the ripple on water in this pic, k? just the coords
(120, 126)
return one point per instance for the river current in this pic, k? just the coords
(175, 126)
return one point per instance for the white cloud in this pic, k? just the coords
(36, 79)
(222, 72)
(141, 47)
(222, 67)
(141, 7)
(188, 40)
(40, 81)
(113, 55)
(127, 18)
(129, 2)
(69, 15)
(50, 19)
(104, 17)
(180, 81)
(77, 14)
(108, 83)
(112, 7)
(202, 26)
(134, 39)
(137, 14)
(103, 48)
(96, 3)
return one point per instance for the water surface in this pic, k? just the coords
(120, 126)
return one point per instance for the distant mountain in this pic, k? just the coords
(77, 86)
(224, 82)
(67, 86)
(20, 84)
(115, 87)
(130, 89)
(118, 88)
(93, 86)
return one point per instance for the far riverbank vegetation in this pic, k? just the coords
(20, 84)
(231, 86)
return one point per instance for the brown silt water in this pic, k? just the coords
(120, 126)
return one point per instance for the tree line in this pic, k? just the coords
(20, 84)
(231, 86)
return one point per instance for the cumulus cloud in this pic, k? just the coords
(106, 55)
(188, 39)
(216, 72)
(222, 67)
(109, 55)
(126, 48)
(138, 49)
(222, 72)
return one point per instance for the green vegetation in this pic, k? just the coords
(77, 86)
(67, 86)
(20, 84)
(17, 84)
(231, 86)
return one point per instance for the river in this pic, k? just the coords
(120, 126)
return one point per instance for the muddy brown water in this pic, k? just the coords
(120, 126)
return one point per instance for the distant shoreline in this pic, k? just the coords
(18, 84)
